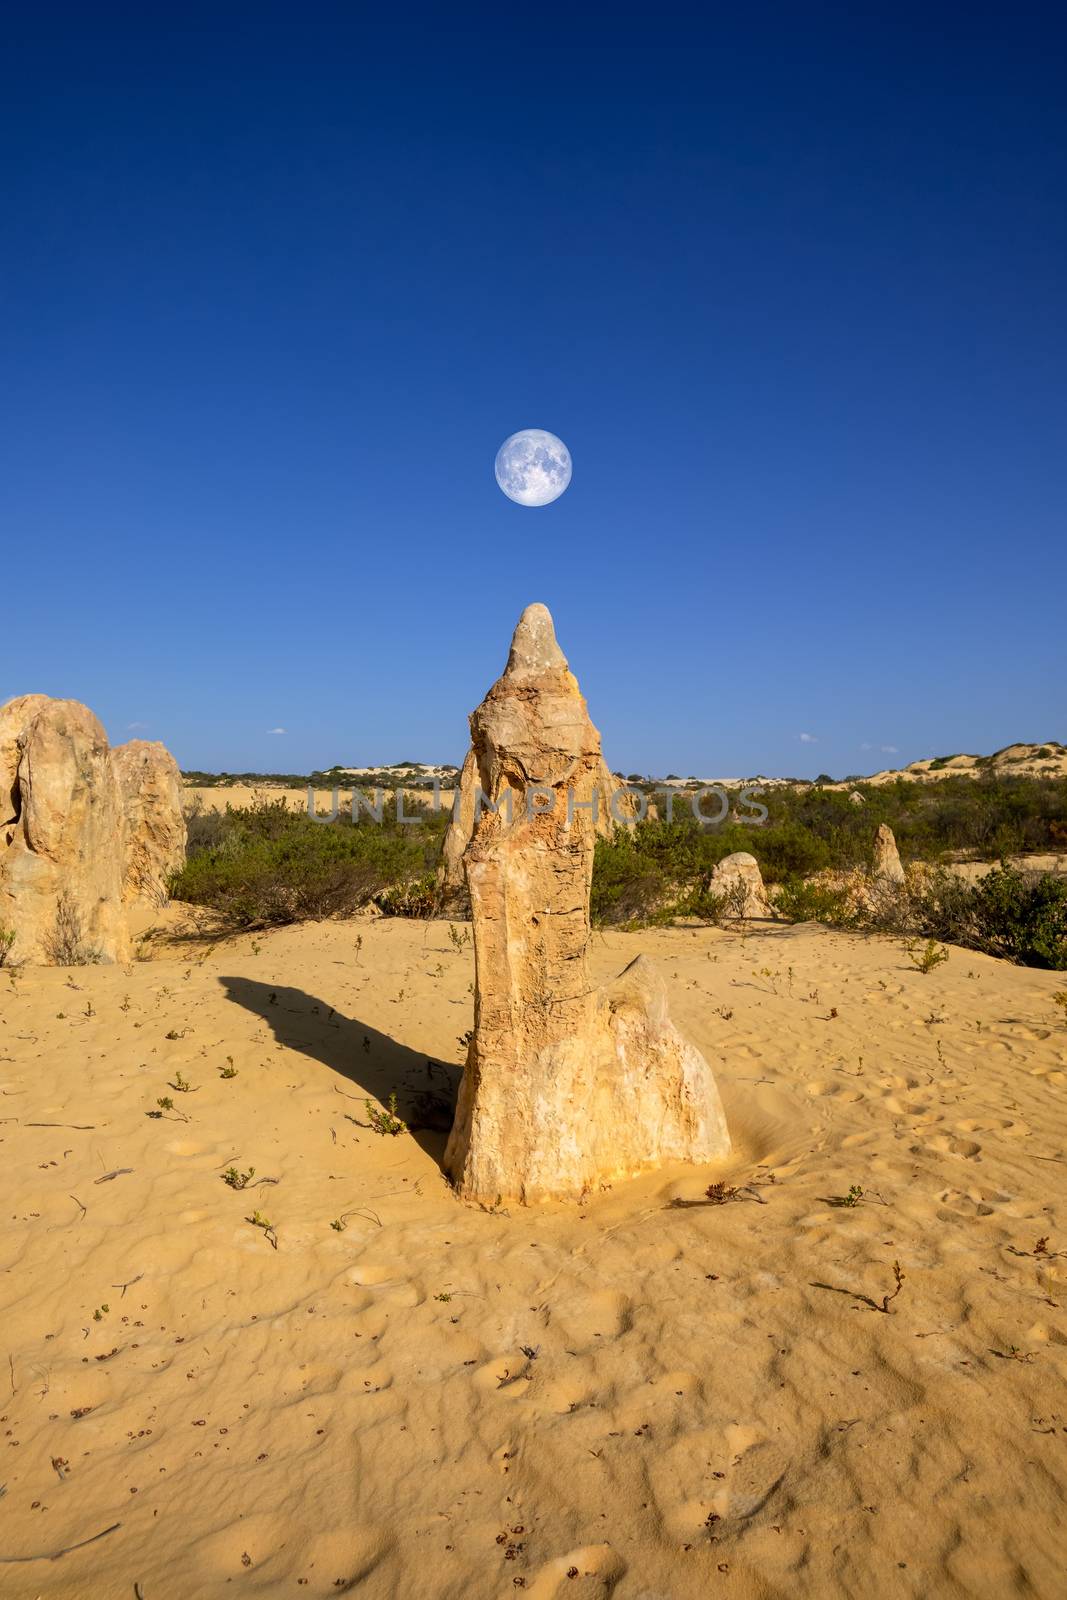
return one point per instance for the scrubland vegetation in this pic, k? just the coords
(266, 864)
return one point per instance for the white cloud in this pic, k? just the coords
(889, 749)
(807, 738)
(277, 730)
(866, 745)
(136, 727)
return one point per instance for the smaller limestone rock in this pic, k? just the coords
(856, 799)
(151, 788)
(739, 879)
(887, 864)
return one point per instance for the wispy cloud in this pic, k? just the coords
(889, 749)
(277, 730)
(136, 727)
(807, 738)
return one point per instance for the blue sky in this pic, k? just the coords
(276, 282)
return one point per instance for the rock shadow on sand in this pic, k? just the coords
(375, 1064)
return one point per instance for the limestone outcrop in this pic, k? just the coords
(150, 783)
(84, 830)
(739, 880)
(62, 835)
(887, 864)
(616, 807)
(566, 1087)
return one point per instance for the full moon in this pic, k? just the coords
(533, 467)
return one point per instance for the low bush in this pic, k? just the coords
(267, 864)
(800, 901)
(1019, 916)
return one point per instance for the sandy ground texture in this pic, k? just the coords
(648, 1395)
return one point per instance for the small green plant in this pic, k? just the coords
(7, 939)
(1060, 999)
(174, 1033)
(458, 938)
(181, 1084)
(229, 1070)
(258, 1220)
(89, 1011)
(256, 947)
(101, 1312)
(444, 1298)
(163, 1105)
(898, 1279)
(853, 1197)
(125, 1006)
(924, 958)
(238, 1180)
(386, 1122)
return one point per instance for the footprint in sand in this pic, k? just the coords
(945, 1144)
(754, 1472)
(753, 1477)
(591, 1572)
(505, 1375)
(595, 1318)
(1001, 1125)
(856, 1141)
(959, 1203)
(820, 1088)
(265, 1545)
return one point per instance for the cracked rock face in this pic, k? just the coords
(84, 830)
(617, 807)
(566, 1087)
(151, 788)
(62, 835)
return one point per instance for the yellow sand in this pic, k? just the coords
(627, 1397)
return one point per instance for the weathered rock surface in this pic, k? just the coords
(609, 787)
(738, 877)
(84, 831)
(150, 783)
(887, 863)
(566, 1087)
(62, 835)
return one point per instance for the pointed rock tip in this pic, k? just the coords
(533, 645)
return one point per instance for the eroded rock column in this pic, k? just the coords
(566, 1087)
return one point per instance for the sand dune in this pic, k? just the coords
(644, 1396)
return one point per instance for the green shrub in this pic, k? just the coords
(798, 901)
(1019, 916)
(268, 864)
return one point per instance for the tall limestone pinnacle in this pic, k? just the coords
(566, 1087)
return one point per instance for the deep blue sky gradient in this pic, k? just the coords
(276, 281)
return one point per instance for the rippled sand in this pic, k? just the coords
(648, 1396)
